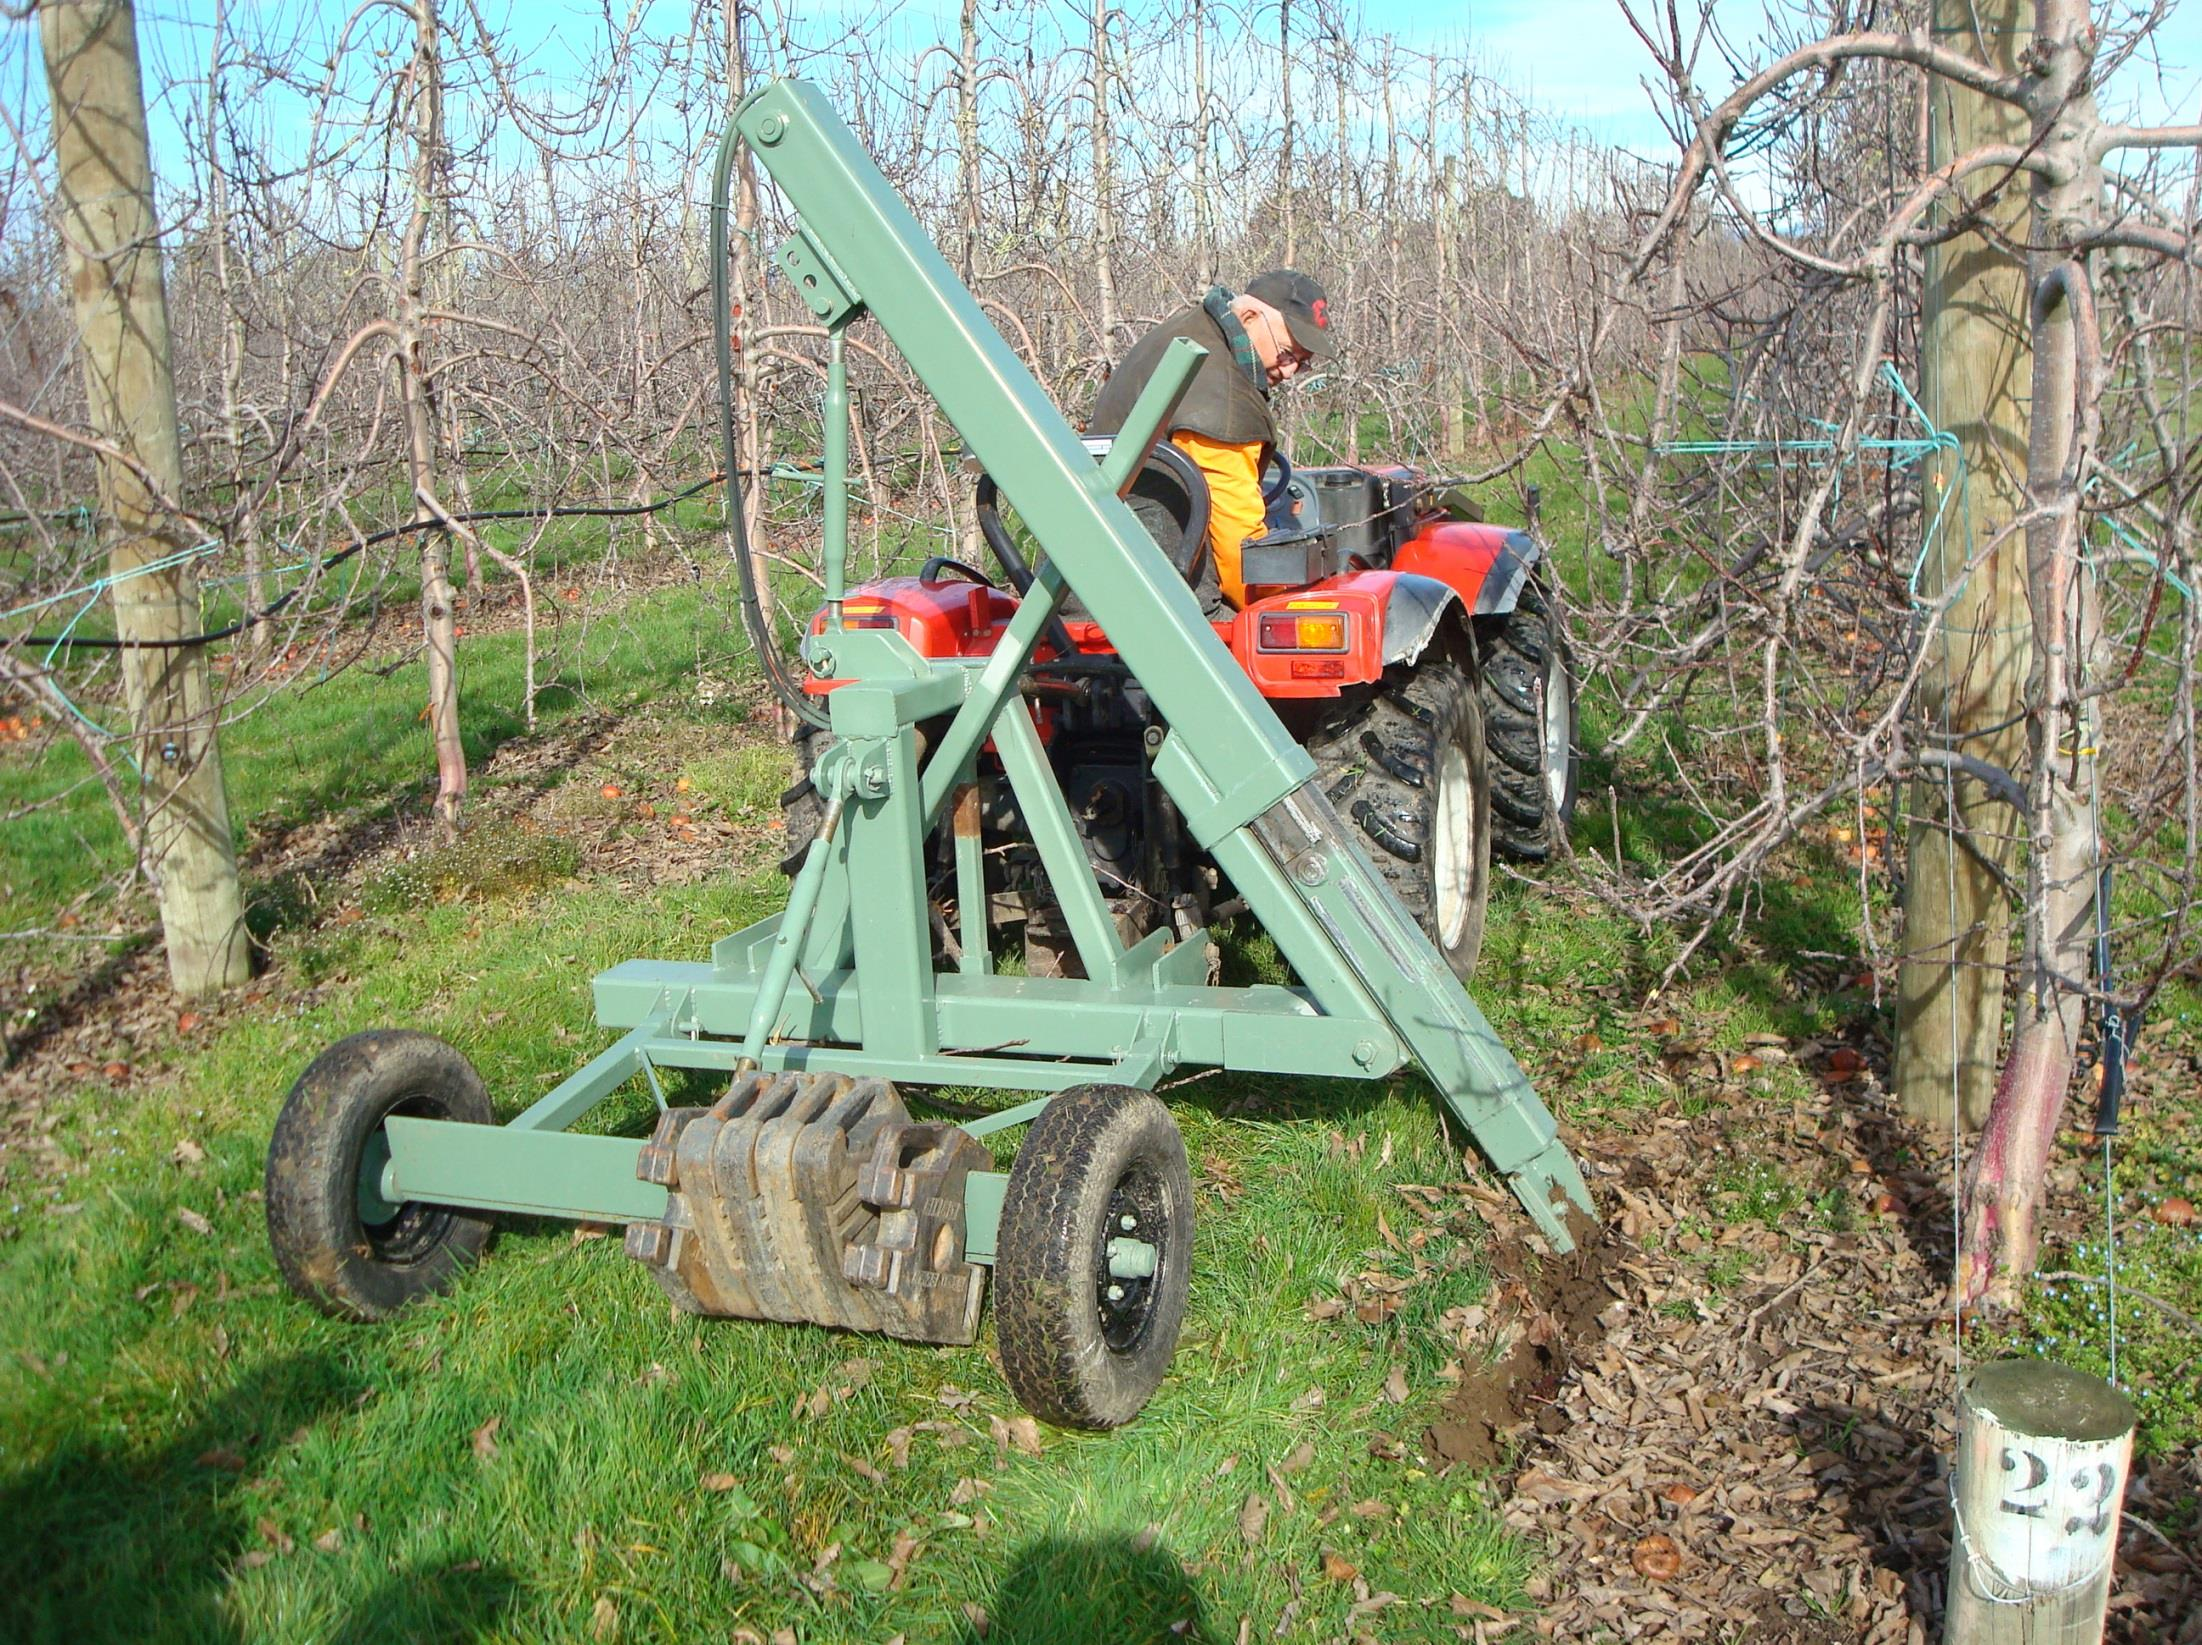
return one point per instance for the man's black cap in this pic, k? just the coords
(1303, 304)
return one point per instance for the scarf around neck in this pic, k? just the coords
(1217, 306)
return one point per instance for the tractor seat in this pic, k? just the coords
(1168, 496)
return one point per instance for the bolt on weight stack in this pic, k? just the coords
(814, 1198)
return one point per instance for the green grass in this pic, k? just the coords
(185, 1431)
(176, 1415)
(356, 740)
(176, 1429)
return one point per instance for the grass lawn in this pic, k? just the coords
(549, 1452)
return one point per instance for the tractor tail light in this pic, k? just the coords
(1301, 631)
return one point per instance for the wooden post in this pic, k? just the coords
(1974, 367)
(2042, 1453)
(105, 201)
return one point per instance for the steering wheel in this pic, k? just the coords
(1274, 491)
(936, 568)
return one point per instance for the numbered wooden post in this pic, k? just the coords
(2042, 1452)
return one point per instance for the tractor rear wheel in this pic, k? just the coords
(340, 1245)
(1087, 1332)
(1406, 763)
(1528, 693)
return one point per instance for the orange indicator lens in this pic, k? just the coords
(1294, 631)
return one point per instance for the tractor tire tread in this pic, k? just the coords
(802, 807)
(1516, 652)
(1383, 749)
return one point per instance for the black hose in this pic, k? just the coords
(987, 504)
(784, 684)
(97, 642)
(1013, 562)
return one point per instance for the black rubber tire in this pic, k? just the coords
(802, 810)
(1381, 757)
(1524, 662)
(326, 1252)
(1097, 1152)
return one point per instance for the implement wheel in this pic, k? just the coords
(339, 1243)
(1406, 763)
(1094, 1258)
(1529, 723)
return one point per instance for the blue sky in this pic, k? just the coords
(1577, 59)
(1580, 60)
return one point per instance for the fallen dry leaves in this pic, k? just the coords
(1253, 1519)
(1020, 1433)
(1769, 1458)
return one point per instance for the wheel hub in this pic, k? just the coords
(1552, 715)
(1452, 864)
(1124, 1299)
(398, 1233)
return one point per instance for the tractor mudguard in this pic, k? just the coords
(1414, 606)
(946, 617)
(1485, 565)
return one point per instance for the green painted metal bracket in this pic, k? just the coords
(596, 1079)
(557, 1174)
(1030, 1033)
(983, 1192)
(503, 1168)
(825, 290)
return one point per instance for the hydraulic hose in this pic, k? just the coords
(784, 684)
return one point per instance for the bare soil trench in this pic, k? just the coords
(1765, 1458)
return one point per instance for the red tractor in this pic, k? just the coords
(1416, 654)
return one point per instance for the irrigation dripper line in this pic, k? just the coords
(69, 639)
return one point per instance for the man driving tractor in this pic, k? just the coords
(1255, 342)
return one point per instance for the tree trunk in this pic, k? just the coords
(416, 384)
(967, 136)
(1204, 205)
(2004, 1188)
(105, 198)
(747, 287)
(233, 342)
(1104, 180)
(1285, 177)
(1451, 391)
(1974, 364)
